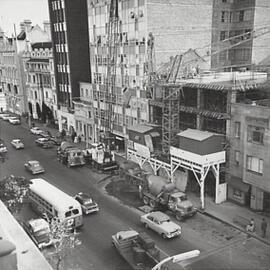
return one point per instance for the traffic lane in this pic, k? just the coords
(79, 179)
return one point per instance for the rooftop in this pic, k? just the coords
(196, 134)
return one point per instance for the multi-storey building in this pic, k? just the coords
(236, 17)
(146, 29)
(250, 149)
(13, 78)
(71, 54)
(40, 81)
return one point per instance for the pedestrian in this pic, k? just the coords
(263, 227)
(251, 226)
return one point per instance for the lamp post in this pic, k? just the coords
(177, 258)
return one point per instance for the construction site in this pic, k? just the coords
(147, 118)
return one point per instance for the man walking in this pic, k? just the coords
(263, 227)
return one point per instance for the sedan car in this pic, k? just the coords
(6, 116)
(39, 231)
(17, 144)
(36, 130)
(14, 120)
(3, 148)
(45, 134)
(161, 223)
(44, 142)
(34, 167)
(87, 203)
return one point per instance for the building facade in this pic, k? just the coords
(249, 155)
(40, 82)
(141, 23)
(13, 78)
(69, 33)
(232, 18)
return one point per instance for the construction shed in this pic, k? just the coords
(200, 142)
(148, 135)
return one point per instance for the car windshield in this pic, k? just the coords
(87, 202)
(42, 231)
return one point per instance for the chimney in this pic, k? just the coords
(28, 25)
(47, 27)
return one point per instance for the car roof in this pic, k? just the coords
(18, 140)
(36, 128)
(83, 195)
(159, 215)
(33, 161)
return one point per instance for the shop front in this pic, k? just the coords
(238, 191)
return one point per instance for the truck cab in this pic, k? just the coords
(179, 204)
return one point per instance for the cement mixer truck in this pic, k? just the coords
(156, 192)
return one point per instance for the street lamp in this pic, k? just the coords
(178, 258)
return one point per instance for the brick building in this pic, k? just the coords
(234, 18)
(250, 149)
(12, 76)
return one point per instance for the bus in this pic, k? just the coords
(48, 200)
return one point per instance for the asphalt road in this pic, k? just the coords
(221, 247)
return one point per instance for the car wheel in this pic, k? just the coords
(163, 235)
(146, 225)
(152, 203)
(179, 217)
(145, 200)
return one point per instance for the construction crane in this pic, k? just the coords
(171, 89)
(110, 94)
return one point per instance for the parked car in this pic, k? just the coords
(161, 223)
(56, 140)
(87, 203)
(34, 167)
(3, 148)
(17, 144)
(39, 231)
(14, 120)
(36, 130)
(45, 134)
(6, 116)
(44, 142)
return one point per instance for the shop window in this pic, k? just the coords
(255, 134)
(254, 164)
(237, 193)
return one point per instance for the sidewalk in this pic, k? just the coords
(228, 211)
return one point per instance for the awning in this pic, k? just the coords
(237, 183)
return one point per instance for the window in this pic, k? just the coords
(236, 157)
(35, 95)
(254, 164)
(222, 35)
(237, 193)
(241, 15)
(224, 1)
(223, 16)
(255, 134)
(237, 129)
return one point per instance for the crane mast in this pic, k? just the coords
(112, 46)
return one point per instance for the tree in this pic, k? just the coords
(64, 240)
(13, 191)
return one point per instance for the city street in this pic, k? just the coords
(221, 246)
